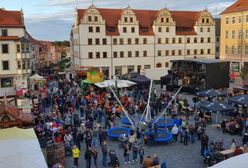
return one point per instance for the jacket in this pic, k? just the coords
(75, 153)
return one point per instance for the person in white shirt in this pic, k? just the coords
(174, 132)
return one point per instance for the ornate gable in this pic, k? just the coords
(164, 18)
(92, 16)
(128, 16)
(205, 18)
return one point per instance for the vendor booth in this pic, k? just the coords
(37, 81)
(20, 149)
(212, 93)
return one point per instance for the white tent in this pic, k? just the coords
(120, 83)
(36, 77)
(239, 161)
(20, 149)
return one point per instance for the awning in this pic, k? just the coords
(216, 106)
(212, 93)
(113, 83)
(240, 100)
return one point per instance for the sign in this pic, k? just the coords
(235, 67)
(94, 77)
(25, 105)
(21, 87)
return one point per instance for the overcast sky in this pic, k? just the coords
(52, 19)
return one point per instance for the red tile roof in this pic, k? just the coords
(238, 6)
(183, 19)
(10, 18)
(6, 38)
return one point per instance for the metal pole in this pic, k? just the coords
(161, 115)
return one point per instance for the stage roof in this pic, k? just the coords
(201, 61)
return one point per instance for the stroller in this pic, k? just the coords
(67, 149)
(114, 161)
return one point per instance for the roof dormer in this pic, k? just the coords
(164, 18)
(92, 16)
(205, 18)
(128, 16)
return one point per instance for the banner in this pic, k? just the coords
(25, 105)
(21, 87)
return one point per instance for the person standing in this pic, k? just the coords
(104, 153)
(75, 155)
(87, 157)
(126, 153)
(204, 143)
(135, 151)
(141, 154)
(94, 155)
(174, 132)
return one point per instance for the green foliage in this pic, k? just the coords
(62, 43)
(243, 73)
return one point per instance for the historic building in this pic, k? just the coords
(15, 57)
(119, 41)
(234, 34)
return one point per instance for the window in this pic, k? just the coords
(5, 48)
(246, 50)
(19, 65)
(131, 19)
(179, 40)
(129, 41)
(97, 54)
(6, 82)
(23, 65)
(173, 40)
(90, 55)
(167, 64)
(167, 52)
(104, 41)
(240, 19)
(246, 19)
(121, 54)
(202, 40)
(159, 29)
(226, 49)
(115, 41)
(144, 53)
(209, 51)
(159, 53)
(18, 48)
(167, 40)
(233, 20)
(28, 64)
(147, 66)
(4, 32)
(195, 51)
(226, 35)
(121, 41)
(115, 54)
(179, 52)
(239, 34)
(5, 65)
(167, 29)
(201, 29)
(195, 40)
(173, 52)
(202, 51)
(136, 41)
(96, 19)
(233, 49)
(246, 33)
(227, 20)
(217, 39)
(159, 40)
(239, 49)
(97, 40)
(209, 29)
(130, 69)
(209, 40)
(188, 40)
(233, 34)
(124, 29)
(98, 29)
(217, 49)
(207, 21)
(159, 65)
(129, 53)
(188, 52)
(125, 19)
(89, 18)
(104, 55)
(203, 20)
(133, 29)
(167, 20)
(162, 20)
(144, 40)
(136, 53)
(89, 41)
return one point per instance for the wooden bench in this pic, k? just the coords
(227, 151)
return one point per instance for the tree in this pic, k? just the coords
(243, 73)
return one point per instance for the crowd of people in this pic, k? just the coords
(66, 113)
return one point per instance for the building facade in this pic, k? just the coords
(15, 57)
(217, 37)
(234, 34)
(120, 41)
